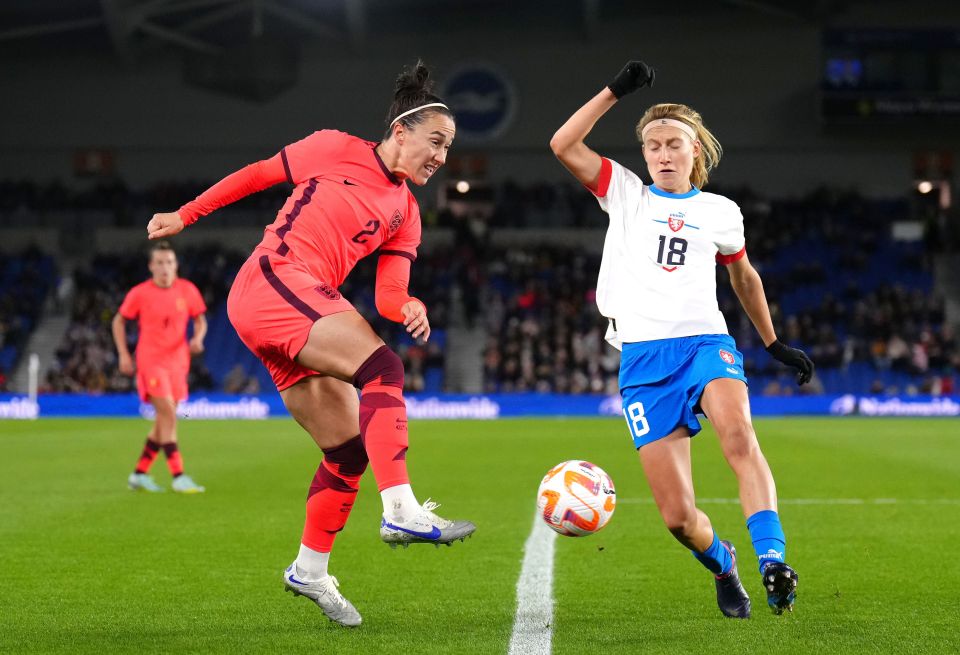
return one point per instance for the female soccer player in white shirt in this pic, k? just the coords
(657, 285)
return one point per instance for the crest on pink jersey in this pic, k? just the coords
(675, 223)
(327, 290)
(727, 356)
(396, 221)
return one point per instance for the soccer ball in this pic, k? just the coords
(576, 498)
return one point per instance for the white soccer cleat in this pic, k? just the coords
(143, 482)
(325, 594)
(424, 527)
(184, 484)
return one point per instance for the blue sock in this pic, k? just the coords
(769, 542)
(716, 558)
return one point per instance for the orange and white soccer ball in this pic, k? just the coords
(576, 498)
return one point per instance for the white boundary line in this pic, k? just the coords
(533, 622)
(813, 501)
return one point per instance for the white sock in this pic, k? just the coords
(312, 564)
(399, 503)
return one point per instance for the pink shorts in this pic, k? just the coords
(273, 303)
(162, 383)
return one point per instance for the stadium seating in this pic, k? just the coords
(87, 358)
(25, 279)
(839, 286)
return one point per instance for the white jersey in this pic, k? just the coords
(658, 273)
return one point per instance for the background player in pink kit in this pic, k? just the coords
(350, 199)
(162, 306)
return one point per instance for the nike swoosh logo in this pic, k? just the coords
(433, 534)
(292, 578)
(349, 183)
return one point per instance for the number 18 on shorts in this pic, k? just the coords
(661, 382)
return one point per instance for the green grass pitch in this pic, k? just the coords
(870, 508)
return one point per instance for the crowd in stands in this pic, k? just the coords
(860, 303)
(562, 204)
(86, 359)
(25, 280)
(22, 201)
(545, 333)
(25, 203)
(430, 281)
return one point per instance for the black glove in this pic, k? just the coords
(793, 357)
(634, 75)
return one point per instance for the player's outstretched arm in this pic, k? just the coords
(249, 179)
(568, 142)
(748, 286)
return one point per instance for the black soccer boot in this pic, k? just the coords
(732, 598)
(780, 581)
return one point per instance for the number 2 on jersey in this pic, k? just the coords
(373, 226)
(676, 254)
(636, 421)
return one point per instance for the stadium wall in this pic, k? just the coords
(753, 75)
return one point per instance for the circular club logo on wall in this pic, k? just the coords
(482, 100)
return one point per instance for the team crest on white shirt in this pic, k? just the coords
(675, 222)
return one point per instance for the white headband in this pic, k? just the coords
(680, 125)
(415, 109)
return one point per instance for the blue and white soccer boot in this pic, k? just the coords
(424, 527)
(780, 581)
(732, 598)
(184, 484)
(143, 482)
(325, 594)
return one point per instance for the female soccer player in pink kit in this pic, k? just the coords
(162, 306)
(351, 199)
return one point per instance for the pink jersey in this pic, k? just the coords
(346, 205)
(162, 315)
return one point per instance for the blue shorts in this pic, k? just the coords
(661, 381)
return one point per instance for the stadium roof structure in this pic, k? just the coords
(138, 28)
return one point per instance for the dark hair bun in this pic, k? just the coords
(413, 82)
(412, 91)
